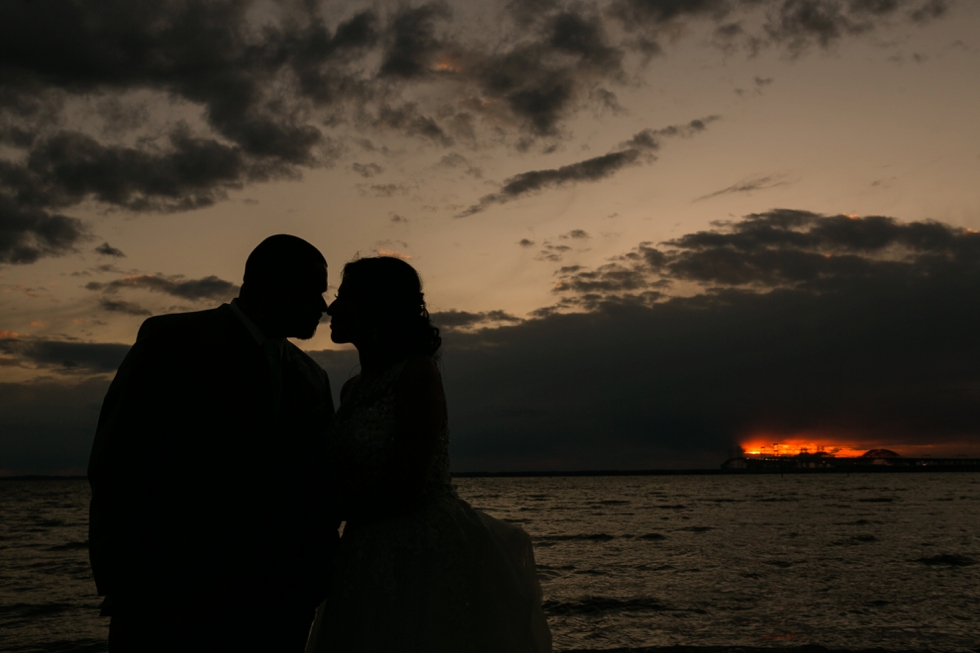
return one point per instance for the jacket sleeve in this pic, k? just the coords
(121, 469)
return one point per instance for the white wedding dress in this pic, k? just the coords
(439, 577)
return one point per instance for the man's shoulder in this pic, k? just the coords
(184, 325)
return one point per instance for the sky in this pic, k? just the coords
(650, 230)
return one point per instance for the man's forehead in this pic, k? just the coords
(304, 273)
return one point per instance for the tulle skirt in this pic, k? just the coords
(443, 578)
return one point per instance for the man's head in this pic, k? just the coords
(285, 278)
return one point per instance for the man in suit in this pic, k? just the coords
(210, 524)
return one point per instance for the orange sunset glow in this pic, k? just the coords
(758, 445)
(775, 445)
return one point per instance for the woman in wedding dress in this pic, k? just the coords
(418, 568)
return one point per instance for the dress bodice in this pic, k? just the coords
(362, 441)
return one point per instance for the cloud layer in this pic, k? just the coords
(210, 287)
(62, 356)
(170, 105)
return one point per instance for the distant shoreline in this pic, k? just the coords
(621, 472)
(595, 472)
(804, 648)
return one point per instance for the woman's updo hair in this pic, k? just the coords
(389, 291)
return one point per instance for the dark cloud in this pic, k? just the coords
(802, 249)
(615, 277)
(388, 190)
(584, 37)
(607, 100)
(553, 253)
(412, 41)
(67, 168)
(455, 320)
(27, 234)
(636, 150)
(105, 249)
(781, 248)
(554, 58)
(578, 234)
(456, 160)
(121, 306)
(408, 120)
(749, 185)
(795, 25)
(800, 22)
(657, 12)
(64, 356)
(526, 242)
(206, 288)
(930, 10)
(367, 169)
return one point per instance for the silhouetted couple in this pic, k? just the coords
(220, 477)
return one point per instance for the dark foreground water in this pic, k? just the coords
(845, 562)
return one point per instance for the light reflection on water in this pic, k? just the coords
(847, 562)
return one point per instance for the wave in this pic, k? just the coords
(601, 604)
(857, 539)
(60, 646)
(652, 537)
(594, 537)
(30, 611)
(69, 546)
(950, 559)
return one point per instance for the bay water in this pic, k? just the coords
(848, 562)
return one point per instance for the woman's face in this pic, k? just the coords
(348, 321)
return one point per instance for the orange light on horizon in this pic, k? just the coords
(793, 446)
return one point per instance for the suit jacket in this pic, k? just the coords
(203, 496)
